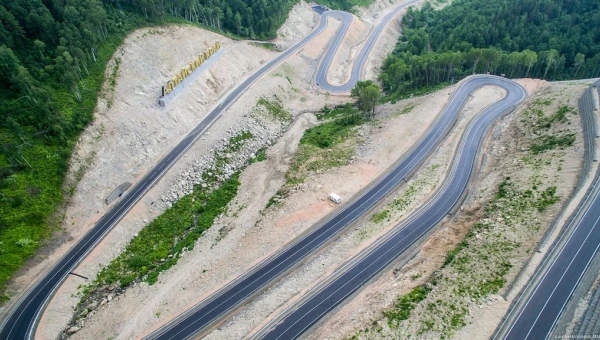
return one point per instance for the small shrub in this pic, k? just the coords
(275, 109)
(453, 252)
(553, 141)
(405, 305)
(261, 155)
(346, 110)
(380, 216)
(548, 198)
(25, 242)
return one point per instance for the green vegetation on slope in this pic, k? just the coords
(53, 56)
(161, 243)
(40, 121)
(499, 240)
(550, 39)
(405, 305)
(328, 145)
(275, 109)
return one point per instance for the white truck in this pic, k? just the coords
(335, 198)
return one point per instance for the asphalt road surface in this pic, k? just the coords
(540, 311)
(361, 59)
(261, 276)
(353, 275)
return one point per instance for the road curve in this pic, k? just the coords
(23, 319)
(327, 59)
(354, 274)
(551, 287)
(259, 277)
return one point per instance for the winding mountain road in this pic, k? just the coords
(261, 276)
(22, 321)
(353, 275)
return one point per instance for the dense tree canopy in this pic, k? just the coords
(548, 39)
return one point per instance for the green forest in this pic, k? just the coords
(549, 39)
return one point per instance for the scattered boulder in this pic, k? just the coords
(73, 330)
(92, 306)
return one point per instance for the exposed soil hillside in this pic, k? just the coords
(131, 132)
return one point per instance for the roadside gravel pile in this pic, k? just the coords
(264, 134)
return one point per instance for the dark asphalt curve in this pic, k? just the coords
(361, 59)
(373, 260)
(538, 317)
(259, 277)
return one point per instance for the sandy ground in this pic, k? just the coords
(301, 21)
(131, 132)
(364, 309)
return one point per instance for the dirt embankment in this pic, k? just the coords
(346, 54)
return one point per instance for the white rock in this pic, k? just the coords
(73, 330)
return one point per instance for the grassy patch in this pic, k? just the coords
(267, 46)
(112, 78)
(346, 110)
(405, 305)
(275, 109)
(550, 142)
(396, 96)
(547, 198)
(452, 253)
(407, 109)
(325, 146)
(345, 5)
(380, 216)
(159, 245)
(545, 101)
(330, 133)
(538, 121)
(261, 155)
(277, 198)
